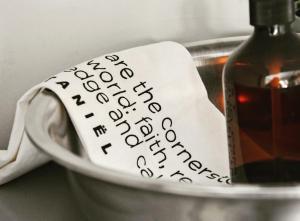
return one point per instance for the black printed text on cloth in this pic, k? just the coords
(143, 111)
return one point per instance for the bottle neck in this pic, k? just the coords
(273, 30)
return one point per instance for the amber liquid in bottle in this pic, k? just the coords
(262, 104)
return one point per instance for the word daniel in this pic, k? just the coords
(147, 136)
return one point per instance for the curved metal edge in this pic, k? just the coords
(41, 139)
(202, 53)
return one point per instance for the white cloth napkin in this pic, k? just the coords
(143, 111)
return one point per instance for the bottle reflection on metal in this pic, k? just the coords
(282, 79)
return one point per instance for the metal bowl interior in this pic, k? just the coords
(57, 138)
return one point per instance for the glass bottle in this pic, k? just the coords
(261, 82)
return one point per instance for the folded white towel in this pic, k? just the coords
(144, 111)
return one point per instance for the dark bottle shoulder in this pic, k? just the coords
(262, 50)
(257, 58)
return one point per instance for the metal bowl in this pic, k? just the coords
(105, 194)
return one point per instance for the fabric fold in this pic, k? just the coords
(143, 111)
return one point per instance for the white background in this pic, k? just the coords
(39, 38)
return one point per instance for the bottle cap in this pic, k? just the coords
(271, 12)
